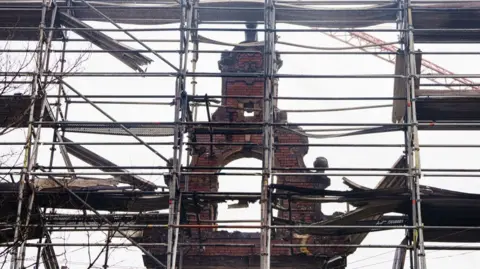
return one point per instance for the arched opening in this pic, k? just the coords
(233, 211)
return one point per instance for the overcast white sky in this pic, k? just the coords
(292, 64)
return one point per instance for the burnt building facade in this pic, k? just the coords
(243, 103)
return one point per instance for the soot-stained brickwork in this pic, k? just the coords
(242, 105)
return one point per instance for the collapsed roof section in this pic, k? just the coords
(19, 16)
(132, 59)
(96, 160)
(392, 195)
(101, 195)
(14, 113)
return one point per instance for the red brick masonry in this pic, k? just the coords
(243, 256)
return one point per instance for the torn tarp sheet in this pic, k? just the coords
(447, 16)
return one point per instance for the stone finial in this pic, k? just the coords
(320, 162)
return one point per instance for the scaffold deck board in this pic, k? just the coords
(144, 130)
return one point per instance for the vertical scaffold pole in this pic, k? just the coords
(181, 103)
(400, 25)
(31, 144)
(412, 145)
(41, 92)
(269, 84)
(57, 114)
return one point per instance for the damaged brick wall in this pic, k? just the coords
(244, 94)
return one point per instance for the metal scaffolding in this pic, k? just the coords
(38, 189)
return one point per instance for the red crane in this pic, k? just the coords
(369, 43)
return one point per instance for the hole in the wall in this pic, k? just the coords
(248, 114)
(244, 184)
(275, 212)
(249, 109)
